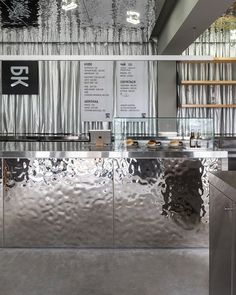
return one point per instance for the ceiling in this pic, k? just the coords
(228, 20)
(44, 20)
(32, 21)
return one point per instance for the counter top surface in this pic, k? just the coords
(85, 150)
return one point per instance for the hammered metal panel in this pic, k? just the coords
(162, 202)
(58, 202)
(93, 21)
(1, 206)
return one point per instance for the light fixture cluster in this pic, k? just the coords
(133, 17)
(68, 5)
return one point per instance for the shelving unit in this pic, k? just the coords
(208, 106)
(214, 60)
(206, 82)
(209, 83)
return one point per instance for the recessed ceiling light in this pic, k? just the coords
(133, 17)
(68, 5)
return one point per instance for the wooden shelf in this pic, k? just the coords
(215, 60)
(207, 82)
(208, 106)
(224, 59)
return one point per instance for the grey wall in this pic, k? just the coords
(167, 89)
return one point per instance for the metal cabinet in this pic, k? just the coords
(232, 162)
(222, 233)
(222, 243)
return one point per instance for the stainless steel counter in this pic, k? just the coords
(72, 194)
(84, 150)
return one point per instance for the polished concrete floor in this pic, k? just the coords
(104, 272)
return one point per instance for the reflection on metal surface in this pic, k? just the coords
(58, 202)
(84, 203)
(162, 203)
(19, 13)
(1, 206)
(80, 150)
(42, 137)
(91, 21)
(183, 192)
(15, 170)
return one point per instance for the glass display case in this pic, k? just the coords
(159, 133)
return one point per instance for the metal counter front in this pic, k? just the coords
(73, 195)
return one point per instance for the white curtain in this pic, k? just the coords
(57, 107)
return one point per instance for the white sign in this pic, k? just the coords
(96, 90)
(132, 89)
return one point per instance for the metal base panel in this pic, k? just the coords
(106, 203)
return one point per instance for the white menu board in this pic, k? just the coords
(96, 90)
(132, 89)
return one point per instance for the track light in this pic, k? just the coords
(133, 17)
(68, 5)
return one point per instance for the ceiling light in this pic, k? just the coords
(233, 35)
(133, 17)
(68, 5)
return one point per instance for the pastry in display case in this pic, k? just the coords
(129, 142)
(175, 143)
(153, 144)
(163, 133)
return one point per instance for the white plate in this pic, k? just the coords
(153, 146)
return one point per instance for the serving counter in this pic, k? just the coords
(70, 194)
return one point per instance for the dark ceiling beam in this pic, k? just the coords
(188, 20)
(163, 15)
